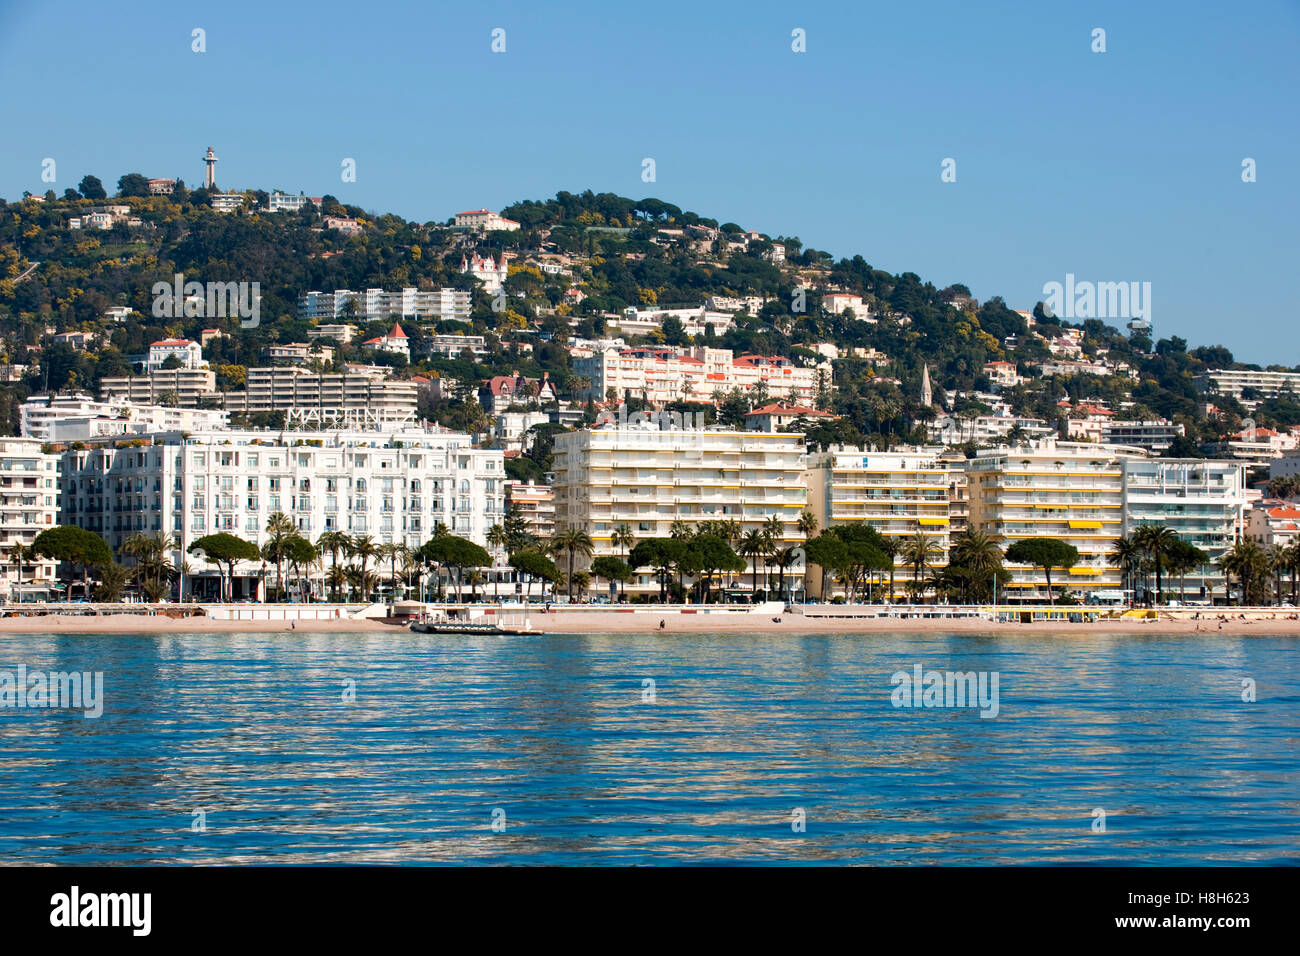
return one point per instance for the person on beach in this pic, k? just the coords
(661, 624)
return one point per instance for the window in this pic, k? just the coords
(274, 483)
(274, 502)
(200, 460)
(252, 459)
(252, 504)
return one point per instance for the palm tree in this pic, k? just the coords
(679, 529)
(363, 547)
(474, 577)
(279, 526)
(754, 544)
(977, 553)
(19, 555)
(807, 524)
(890, 547)
(336, 577)
(1293, 565)
(1157, 541)
(1125, 553)
(496, 539)
(783, 558)
(333, 542)
(392, 551)
(1277, 559)
(918, 552)
(623, 539)
(1247, 563)
(573, 540)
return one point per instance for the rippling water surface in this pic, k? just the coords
(555, 735)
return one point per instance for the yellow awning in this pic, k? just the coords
(1085, 570)
(933, 520)
(1086, 524)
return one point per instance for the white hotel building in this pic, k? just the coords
(374, 304)
(394, 486)
(649, 478)
(29, 504)
(1202, 501)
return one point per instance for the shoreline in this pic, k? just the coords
(558, 621)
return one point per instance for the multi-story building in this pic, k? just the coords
(983, 429)
(339, 332)
(1073, 492)
(648, 478)
(76, 417)
(283, 202)
(393, 486)
(1154, 436)
(185, 351)
(183, 387)
(535, 504)
(1248, 386)
(374, 304)
(29, 504)
(660, 374)
(226, 202)
(695, 320)
(502, 391)
(1273, 523)
(299, 353)
(487, 270)
(1201, 501)
(897, 493)
(454, 346)
(485, 220)
(286, 387)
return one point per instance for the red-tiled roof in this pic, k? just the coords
(171, 342)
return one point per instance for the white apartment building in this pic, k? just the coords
(29, 504)
(694, 320)
(648, 478)
(340, 332)
(898, 493)
(1232, 382)
(373, 304)
(226, 202)
(1155, 436)
(984, 429)
(661, 374)
(75, 417)
(283, 202)
(453, 346)
(394, 486)
(1070, 491)
(1202, 501)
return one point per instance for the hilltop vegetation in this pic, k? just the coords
(620, 252)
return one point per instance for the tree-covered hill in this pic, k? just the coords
(617, 252)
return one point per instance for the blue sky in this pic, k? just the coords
(1115, 166)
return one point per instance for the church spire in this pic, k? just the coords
(926, 397)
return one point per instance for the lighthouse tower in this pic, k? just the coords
(210, 160)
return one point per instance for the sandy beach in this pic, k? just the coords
(558, 621)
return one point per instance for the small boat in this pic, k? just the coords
(457, 627)
(455, 624)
